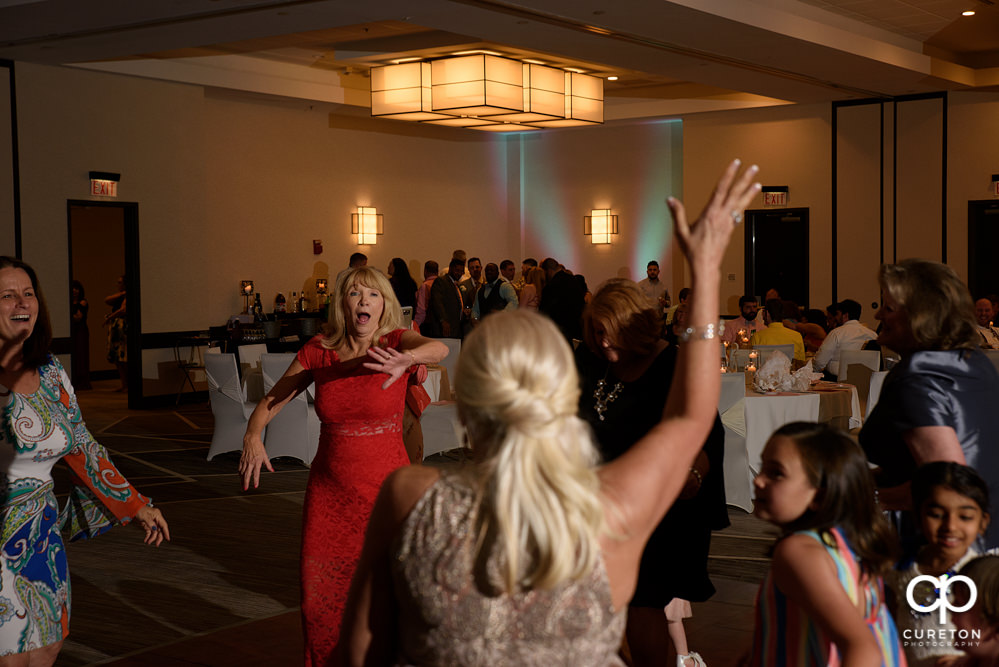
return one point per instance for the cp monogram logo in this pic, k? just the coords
(940, 587)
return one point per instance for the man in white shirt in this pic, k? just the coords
(850, 334)
(654, 288)
(983, 313)
(746, 322)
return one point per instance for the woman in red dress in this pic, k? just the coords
(360, 440)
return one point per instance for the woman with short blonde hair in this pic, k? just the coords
(360, 440)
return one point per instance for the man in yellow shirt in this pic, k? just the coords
(776, 333)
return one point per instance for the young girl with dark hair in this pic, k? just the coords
(952, 504)
(821, 603)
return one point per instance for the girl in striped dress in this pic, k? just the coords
(822, 602)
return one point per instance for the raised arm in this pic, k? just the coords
(294, 381)
(644, 482)
(414, 349)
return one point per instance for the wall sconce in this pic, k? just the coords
(322, 286)
(246, 290)
(367, 224)
(600, 225)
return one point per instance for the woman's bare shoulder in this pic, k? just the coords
(404, 487)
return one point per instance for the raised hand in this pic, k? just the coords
(390, 361)
(703, 242)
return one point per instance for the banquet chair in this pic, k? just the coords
(294, 431)
(227, 396)
(439, 422)
(869, 358)
(249, 369)
(856, 368)
(766, 351)
(450, 362)
(735, 468)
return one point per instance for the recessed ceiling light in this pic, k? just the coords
(612, 78)
(970, 12)
(399, 61)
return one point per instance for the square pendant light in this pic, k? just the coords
(477, 85)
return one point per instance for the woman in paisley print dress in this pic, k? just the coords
(41, 423)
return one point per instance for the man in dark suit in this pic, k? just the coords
(562, 300)
(444, 313)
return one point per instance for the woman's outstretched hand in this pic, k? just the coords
(151, 520)
(703, 241)
(254, 457)
(390, 361)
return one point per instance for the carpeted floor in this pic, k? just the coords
(225, 590)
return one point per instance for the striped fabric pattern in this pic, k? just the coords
(785, 636)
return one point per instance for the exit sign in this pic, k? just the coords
(775, 199)
(103, 188)
(104, 183)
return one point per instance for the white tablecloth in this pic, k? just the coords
(751, 420)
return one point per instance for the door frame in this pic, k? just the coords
(751, 217)
(130, 215)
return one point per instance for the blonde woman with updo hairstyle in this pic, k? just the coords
(360, 365)
(938, 403)
(530, 555)
(625, 369)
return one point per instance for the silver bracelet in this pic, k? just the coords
(707, 332)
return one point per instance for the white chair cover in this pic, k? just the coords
(731, 406)
(229, 405)
(440, 428)
(874, 393)
(869, 358)
(450, 362)
(294, 431)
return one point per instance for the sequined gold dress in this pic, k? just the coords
(448, 617)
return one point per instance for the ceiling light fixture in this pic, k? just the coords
(969, 12)
(612, 78)
(486, 92)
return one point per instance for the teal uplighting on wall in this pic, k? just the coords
(653, 224)
(630, 168)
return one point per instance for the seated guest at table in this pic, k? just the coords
(444, 312)
(530, 295)
(625, 369)
(529, 556)
(495, 295)
(775, 332)
(562, 300)
(849, 334)
(938, 403)
(746, 322)
(681, 298)
(812, 329)
(430, 271)
(983, 313)
(402, 283)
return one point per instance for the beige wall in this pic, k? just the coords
(235, 187)
(792, 147)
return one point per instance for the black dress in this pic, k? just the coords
(955, 388)
(79, 334)
(675, 561)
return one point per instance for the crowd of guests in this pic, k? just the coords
(596, 479)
